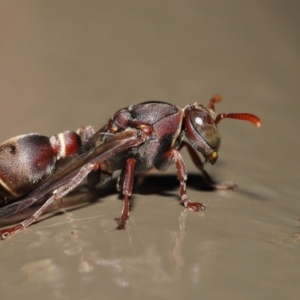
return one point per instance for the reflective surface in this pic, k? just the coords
(67, 64)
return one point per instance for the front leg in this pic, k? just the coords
(175, 156)
(199, 164)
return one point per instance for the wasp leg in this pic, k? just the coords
(175, 156)
(127, 191)
(199, 164)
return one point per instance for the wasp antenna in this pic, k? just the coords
(239, 116)
(215, 99)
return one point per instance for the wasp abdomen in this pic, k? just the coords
(28, 160)
(66, 144)
(25, 160)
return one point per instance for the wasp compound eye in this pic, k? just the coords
(202, 132)
(204, 125)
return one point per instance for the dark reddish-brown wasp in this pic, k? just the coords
(136, 139)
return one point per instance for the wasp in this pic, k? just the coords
(136, 139)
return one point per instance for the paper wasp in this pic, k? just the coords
(136, 139)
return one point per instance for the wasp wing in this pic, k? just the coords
(65, 173)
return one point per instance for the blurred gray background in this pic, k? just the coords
(64, 64)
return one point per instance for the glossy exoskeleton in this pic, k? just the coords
(136, 139)
(28, 160)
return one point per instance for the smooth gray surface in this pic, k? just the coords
(64, 64)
